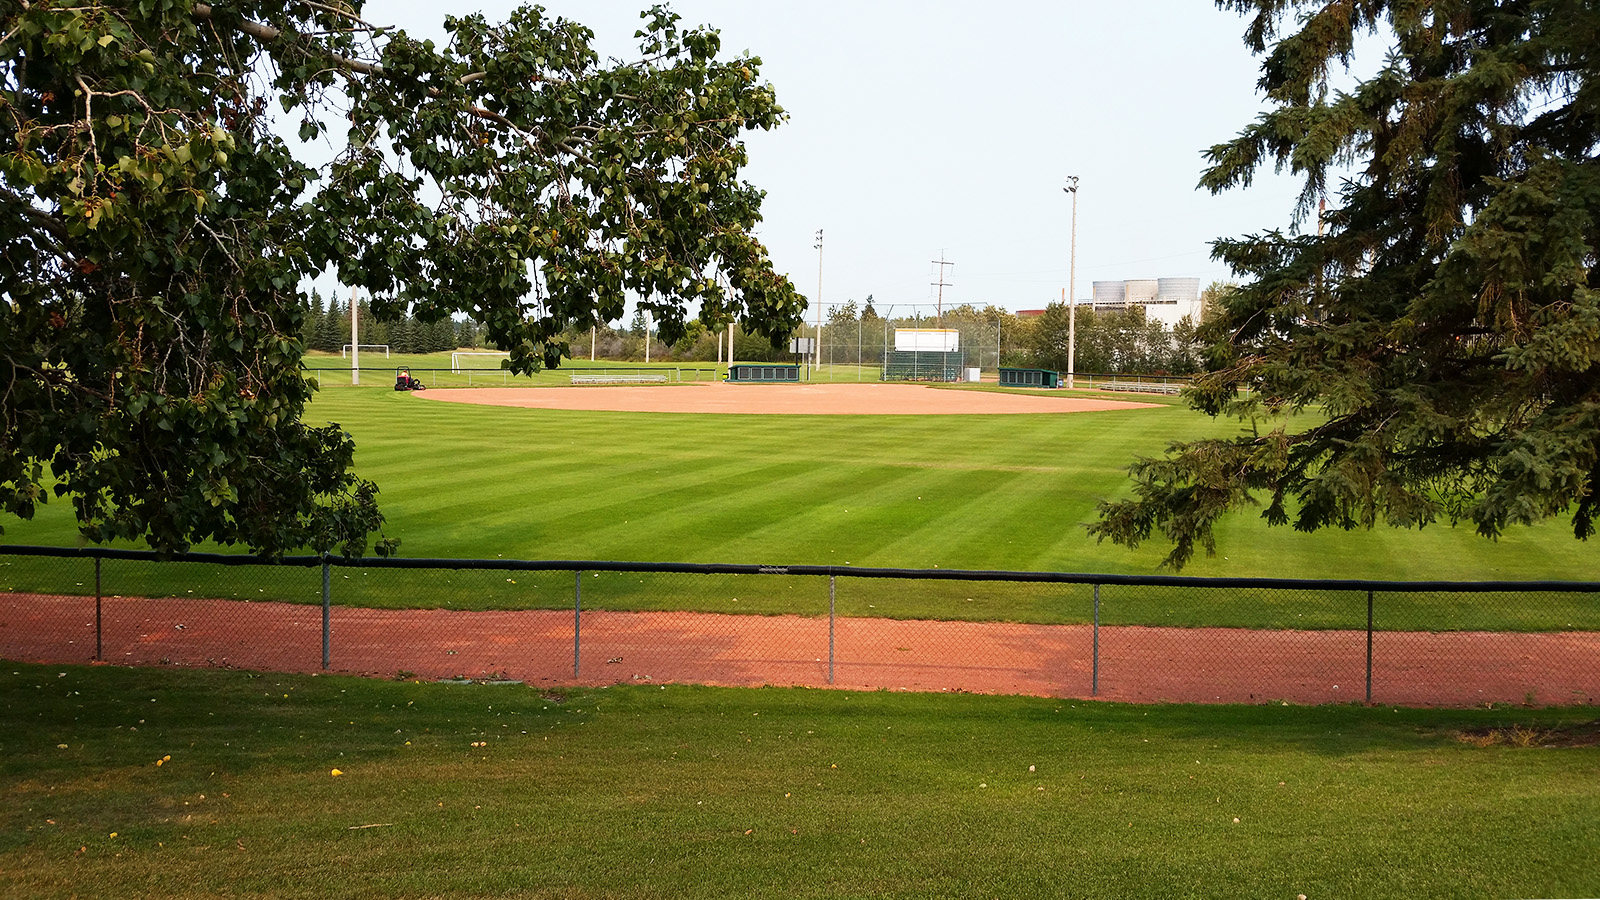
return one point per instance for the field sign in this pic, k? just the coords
(927, 340)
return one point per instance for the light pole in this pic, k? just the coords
(818, 348)
(1072, 284)
(355, 339)
(883, 362)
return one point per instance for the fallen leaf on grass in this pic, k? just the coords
(336, 773)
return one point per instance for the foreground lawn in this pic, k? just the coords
(497, 791)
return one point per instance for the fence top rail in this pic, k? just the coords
(569, 565)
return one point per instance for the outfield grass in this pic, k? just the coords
(974, 492)
(968, 492)
(698, 792)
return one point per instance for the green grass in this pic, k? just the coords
(698, 792)
(968, 492)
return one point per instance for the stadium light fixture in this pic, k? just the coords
(1072, 284)
(817, 350)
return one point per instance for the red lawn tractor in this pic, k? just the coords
(404, 382)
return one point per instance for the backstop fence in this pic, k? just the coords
(558, 623)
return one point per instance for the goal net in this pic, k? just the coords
(345, 350)
(459, 356)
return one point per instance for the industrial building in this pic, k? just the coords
(1165, 300)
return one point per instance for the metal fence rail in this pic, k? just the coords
(556, 622)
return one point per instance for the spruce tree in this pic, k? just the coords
(1444, 322)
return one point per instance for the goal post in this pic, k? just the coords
(456, 356)
(345, 350)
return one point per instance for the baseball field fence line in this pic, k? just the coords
(484, 376)
(1135, 638)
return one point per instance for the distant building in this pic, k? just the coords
(1165, 300)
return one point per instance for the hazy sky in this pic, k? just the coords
(921, 127)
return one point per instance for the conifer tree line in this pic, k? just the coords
(326, 327)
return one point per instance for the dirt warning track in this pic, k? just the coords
(1135, 663)
(781, 399)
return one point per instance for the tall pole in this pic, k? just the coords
(941, 284)
(1072, 285)
(818, 342)
(355, 341)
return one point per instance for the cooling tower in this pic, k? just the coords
(1141, 290)
(1178, 289)
(1109, 292)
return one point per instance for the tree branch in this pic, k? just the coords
(47, 221)
(267, 34)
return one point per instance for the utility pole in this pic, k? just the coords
(1072, 285)
(941, 284)
(355, 340)
(999, 316)
(817, 348)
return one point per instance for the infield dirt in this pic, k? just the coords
(782, 399)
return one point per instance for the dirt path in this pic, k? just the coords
(1137, 664)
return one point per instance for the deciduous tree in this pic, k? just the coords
(155, 231)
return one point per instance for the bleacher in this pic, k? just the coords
(1142, 387)
(617, 376)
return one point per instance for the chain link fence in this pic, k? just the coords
(550, 624)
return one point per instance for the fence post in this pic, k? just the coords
(831, 579)
(98, 648)
(577, 607)
(326, 606)
(1369, 645)
(1094, 684)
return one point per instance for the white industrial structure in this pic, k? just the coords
(1165, 300)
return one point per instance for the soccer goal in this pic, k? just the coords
(458, 355)
(345, 350)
